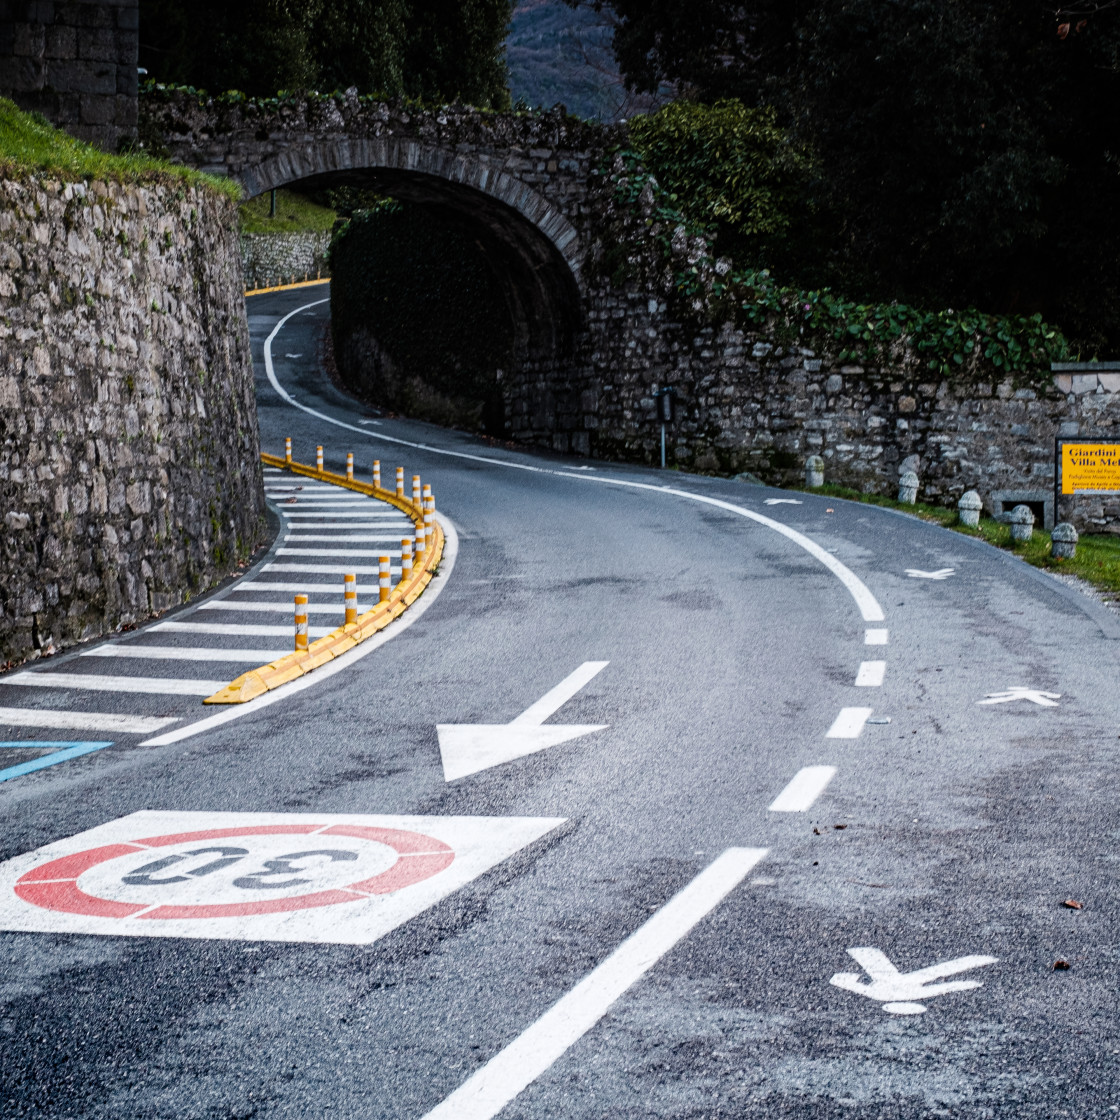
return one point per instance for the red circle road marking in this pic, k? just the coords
(54, 885)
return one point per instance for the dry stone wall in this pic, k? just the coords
(129, 467)
(275, 258)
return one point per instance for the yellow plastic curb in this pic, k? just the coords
(291, 666)
(288, 287)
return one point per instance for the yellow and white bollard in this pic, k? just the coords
(421, 535)
(350, 594)
(301, 624)
(429, 518)
(417, 498)
(382, 578)
(428, 497)
(377, 474)
(406, 558)
(319, 457)
(400, 482)
(288, 449)
(350, 466)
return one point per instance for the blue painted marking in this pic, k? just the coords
(62, 752)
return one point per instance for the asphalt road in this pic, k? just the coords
(643, 925)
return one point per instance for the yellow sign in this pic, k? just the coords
(1090, 466)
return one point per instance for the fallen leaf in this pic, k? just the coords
(1061, 966)
(816, 832)
(1063, 30)
(829, 511)
(1072, 904)
(840, 827)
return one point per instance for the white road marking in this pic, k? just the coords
(807, 785)
(93, 721)
(237, 629)
(185, 653)
(344, 519)
(510, 1071)
(334, 569)
(365, 538)
(849, 723)
(467, 748)
(868, 605)
(324, 552)
(871, 674)
(898, 991)
(98, 682)
(941, 573)
(331, 878)
(258, 585)
(284, 607)
(875, 637)
(782, 502)
(1017, 692)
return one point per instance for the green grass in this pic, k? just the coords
(1097, 560)
(295, 213)
(28, 143)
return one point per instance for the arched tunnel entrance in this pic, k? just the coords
(531, 280)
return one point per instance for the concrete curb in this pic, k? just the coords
(289, 287)
(291, 666)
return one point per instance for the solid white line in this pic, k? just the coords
(93, 721)
(867, 603)
(849, 723)
(366, 538)
(236, 629)
(341, 503)
(349, 518)
(498, 1082)
(98, 682)
(286, 607)
(875, 637)
(870, 674)
(323, 552)
(807, 785)
(555, 698)
(339, 569)
(186, 653)
(363, 589)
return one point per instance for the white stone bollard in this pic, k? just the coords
(1022, 524)
(814, 471)
(968, 509)
(1063, 541)
(908, 487)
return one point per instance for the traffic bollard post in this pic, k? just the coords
(301, 624)
(400, 482)
(406, 558)
(417, 499)
(319, 457)
(377, 474)
(382, 578)
(418, 550)
(350, 594)
(288, 449)
(350, 466)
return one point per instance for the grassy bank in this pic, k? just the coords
(295, 213)
(1097, 560)
(29, 144)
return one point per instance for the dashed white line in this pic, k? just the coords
(511, 1070)
(849, 723)
(875, 637)
(93, 721)
(807, 785)
(871, 674)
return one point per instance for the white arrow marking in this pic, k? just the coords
(897, 991)
(1016, 692)
(941, 573)
(466, 748)
(781, 502)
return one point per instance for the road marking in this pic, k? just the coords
(871, 674)
(324, 553)
(868, 605)
(467, 748)
(510, 1071)
(347, 518)
(61, 752)
(781, 502)
(941, 573)
(359, 538)
(849, 723)
(259, 585)
(898, 991)
(92, 721)
(326, 878)
(332, 569)
(875, 637)
(807, 785)
(98, 682)
(1017, 692)
(284, 607)
(237, 629)
(185, 653)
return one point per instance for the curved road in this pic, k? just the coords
(783, 785)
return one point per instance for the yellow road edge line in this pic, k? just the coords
(288, 287)
(293, 665)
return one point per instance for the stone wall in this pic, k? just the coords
(273, 258)
(129, 469)
(74, 61)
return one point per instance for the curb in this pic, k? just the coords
(288, 287)
(291, 666)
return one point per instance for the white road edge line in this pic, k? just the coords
(875, 637)
(849, 723)
(806, 786)
(867, 603)
(529, 1055)
(871, 674)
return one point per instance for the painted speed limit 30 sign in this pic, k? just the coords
(319, 877)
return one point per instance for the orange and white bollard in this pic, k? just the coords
(406, 558)
(417, 498)
(350, 466)
(377, 474)
(421, 535)
(350, 594)
(301, 624)
(428, 497)
(319, 457)
(429, 518)
(400, 482)
(382, 578)
(288, 449)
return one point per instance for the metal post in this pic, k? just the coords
(662, 446)
(272, 203)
